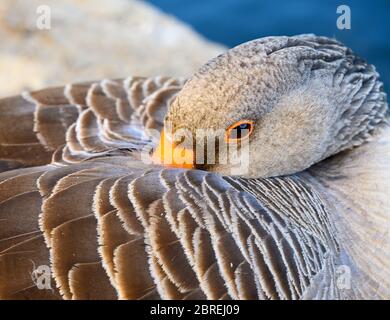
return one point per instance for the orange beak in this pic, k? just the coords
(170, 154)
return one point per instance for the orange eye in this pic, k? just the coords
(239, 130)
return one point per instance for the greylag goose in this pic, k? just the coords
(307, 217)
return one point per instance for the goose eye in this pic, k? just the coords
(239, 130)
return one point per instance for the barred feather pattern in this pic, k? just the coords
(70, 124)
(143, 233)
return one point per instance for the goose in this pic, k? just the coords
(307, 217)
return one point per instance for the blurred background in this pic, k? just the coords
(232, 22)
(93, 39)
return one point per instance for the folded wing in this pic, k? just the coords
(75, 122)
(113, 228)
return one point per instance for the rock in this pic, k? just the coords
(93, 39)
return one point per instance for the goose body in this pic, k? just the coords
(76, 196)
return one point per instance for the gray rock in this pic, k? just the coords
(93, 39)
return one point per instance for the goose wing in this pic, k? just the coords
(112, 227)
(71, 123)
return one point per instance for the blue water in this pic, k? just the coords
(232, 22)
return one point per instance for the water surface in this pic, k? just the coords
(232, 22)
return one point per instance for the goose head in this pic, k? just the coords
(290, 102)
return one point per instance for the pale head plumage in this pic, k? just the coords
(310, 97)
